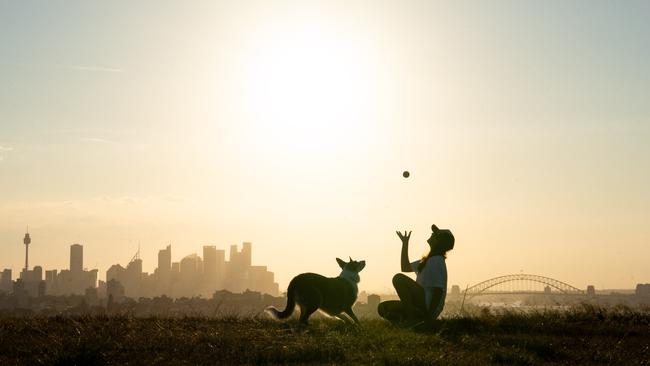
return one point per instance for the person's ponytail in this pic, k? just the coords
(423, 261)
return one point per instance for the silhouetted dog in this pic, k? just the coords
(333, 296)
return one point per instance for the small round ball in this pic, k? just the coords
(406, 174)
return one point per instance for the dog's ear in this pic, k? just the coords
(361, 266)
(341, 263)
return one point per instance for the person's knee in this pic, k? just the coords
(389, 309)
(398, 279)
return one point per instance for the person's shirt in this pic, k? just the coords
(434, 274)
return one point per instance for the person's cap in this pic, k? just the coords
(447, 238)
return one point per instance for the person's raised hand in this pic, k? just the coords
(404, 237)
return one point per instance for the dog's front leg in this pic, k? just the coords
(344, 318)
(351, 315)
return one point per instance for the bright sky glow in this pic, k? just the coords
(524, 125)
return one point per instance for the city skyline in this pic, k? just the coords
(190, 276)
(165, 267)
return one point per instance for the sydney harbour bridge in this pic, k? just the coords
(521, 284)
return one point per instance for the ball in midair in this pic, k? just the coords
(406, 174)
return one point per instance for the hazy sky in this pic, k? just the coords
(525, 126)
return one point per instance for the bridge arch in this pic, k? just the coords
(562, 287)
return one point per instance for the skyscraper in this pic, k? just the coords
(134, 269)
(247, 254)
(74, 280)
(221, 266)
(76, 258)
(6, 279)
(190, 266)
(37, 273)
(233, 254)
(210, 263)
(190, 275)
(165, 262)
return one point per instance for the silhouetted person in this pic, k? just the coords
(421, 300)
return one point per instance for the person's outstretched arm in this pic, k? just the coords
(406, 264)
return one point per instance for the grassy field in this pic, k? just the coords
(583, 336)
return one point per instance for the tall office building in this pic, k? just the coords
(190, 267)
(115, 272)
(209, 263)
(6, 281)
(76, 258)
(247, 254)
(134, 269)
(233, 254)
(69, 281)
(165, 262)
(51, 282)
(130, 278)
(37, 273)
(74, 280)
(221, 265)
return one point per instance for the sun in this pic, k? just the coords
(308, 91)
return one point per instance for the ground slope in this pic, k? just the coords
(587, 336)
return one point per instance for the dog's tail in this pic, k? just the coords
(291, 304)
